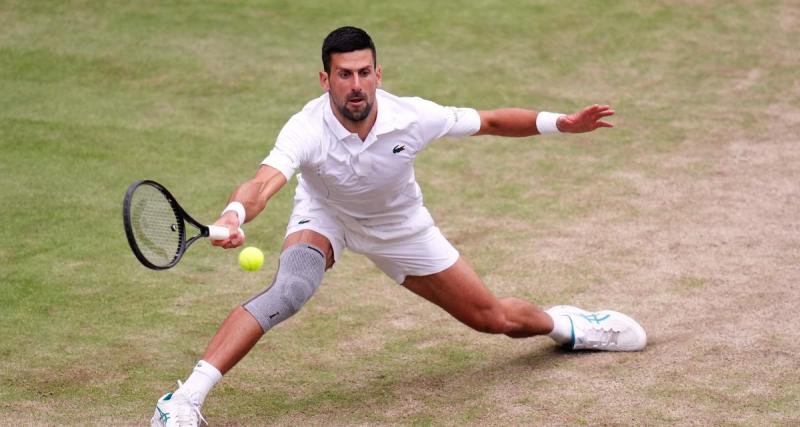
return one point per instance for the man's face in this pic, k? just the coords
(352, 83)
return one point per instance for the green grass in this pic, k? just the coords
(94, 95)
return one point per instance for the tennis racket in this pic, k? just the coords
(156, 225)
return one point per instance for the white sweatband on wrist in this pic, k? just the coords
(546, 122)
(238, 208)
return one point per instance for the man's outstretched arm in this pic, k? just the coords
(252, 196)
(521, 122)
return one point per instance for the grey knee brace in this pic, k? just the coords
(299, 274)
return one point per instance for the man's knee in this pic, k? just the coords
(299, 275)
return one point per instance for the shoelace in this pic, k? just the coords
(188, 416)
(601, 337)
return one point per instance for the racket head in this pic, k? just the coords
(154, 224)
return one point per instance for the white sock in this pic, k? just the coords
(201, 381)
(562, 329)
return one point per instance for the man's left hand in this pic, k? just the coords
(586, 120)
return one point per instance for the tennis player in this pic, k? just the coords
(354, 149)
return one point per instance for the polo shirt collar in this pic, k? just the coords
(332, 122)
(385, 122)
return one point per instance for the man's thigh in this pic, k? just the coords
(313, 238)
(460, 292)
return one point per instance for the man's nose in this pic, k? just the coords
(356, 83)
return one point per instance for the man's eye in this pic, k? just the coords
(344, 75)
(364, 73)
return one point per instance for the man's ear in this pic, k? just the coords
(378, 73)
(323, 81)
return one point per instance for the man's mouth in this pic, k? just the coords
(356, 101)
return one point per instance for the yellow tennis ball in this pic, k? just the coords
(251, 258)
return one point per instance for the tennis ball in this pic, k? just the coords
(251, 258)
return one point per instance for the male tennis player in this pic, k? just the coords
(355, 148)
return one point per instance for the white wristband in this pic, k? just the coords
(238, 208)
(546, 122)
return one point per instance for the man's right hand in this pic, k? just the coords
(230, 221)
(254, 193)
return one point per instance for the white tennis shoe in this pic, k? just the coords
(177, 410)
(602, 330)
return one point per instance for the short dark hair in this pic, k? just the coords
(346, 39)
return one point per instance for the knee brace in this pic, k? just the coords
(300, 271)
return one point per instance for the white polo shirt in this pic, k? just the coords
(368, 185)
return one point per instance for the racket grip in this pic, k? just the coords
(216, 232)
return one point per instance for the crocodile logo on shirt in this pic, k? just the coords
(398, 148)
(303, 221)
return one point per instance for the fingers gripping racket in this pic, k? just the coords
(156, 225)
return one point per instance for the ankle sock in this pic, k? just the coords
(562, 329)
(203, 378)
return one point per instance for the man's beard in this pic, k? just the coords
(355, 116)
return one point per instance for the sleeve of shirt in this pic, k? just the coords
(467, 122)
(292, 148)
(438, 121)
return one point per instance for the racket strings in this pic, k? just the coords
(157, 228)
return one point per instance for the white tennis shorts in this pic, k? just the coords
(423, 253)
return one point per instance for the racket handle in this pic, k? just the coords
(216, 232)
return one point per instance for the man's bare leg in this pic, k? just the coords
(460, 292)
(239, 332)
